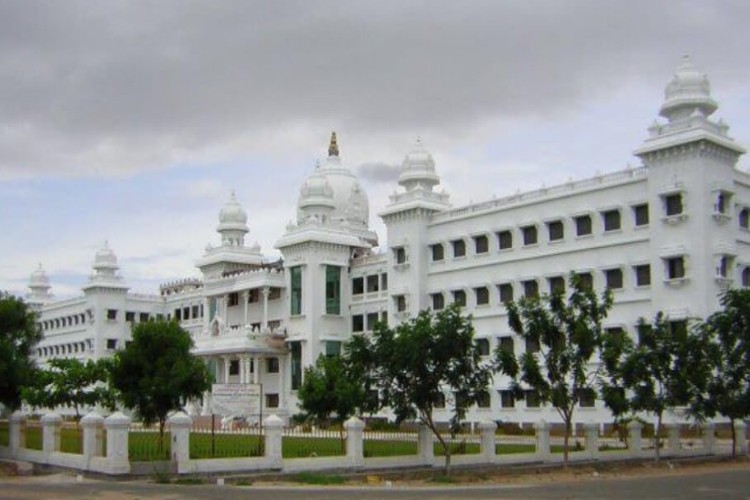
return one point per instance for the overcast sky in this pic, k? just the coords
(132, 121)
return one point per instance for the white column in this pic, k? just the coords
(256, 370)
(225, 308)
(206, 313)
(51, 424)
(117, 426)
(264, 320)
(487, 431)
(542, 440)
(282, 389)
(635, 439)
(354, 442)
(226, 369)
(179, 428)
(245, 297)
(93, 436)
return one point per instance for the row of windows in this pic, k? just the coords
(586, 399)
(362, 322)
(130, 316)
(253, 296)
(63, 322)
(272, 366)
(370, 284)
(188, 312)
(332, 290)
(64, 349)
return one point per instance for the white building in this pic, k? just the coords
(666, 236)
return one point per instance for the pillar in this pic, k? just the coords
(118, 426)
(709, 438)
(635, 437)
(426, 445)
(93, 436)
(487, 433)
(179, 428)
(592, 440)
(740, 432)
(355, 450)
(673, 438)
(256, 369)
(282, 381)
(51, 424)
(542, 440)
(17, 437)
(225, 359)
(274, 428)
(265, 291)
(245, 299)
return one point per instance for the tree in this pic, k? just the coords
(659, 370)
(329, 393)
(614, 350)
(568, 334)
(727, 336)
(71, 382)
(156, 372)
(421, 365)
(19, 333)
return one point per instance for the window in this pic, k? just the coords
(556, 284)
(611, 220)
(112, 314)
(586, 398)
(529, 235)
(384, 318)
(384, 281)
(459, 248)
(746, 276)
(483, 346)
(186, 313)
(643, 275)
(507, 400)
(372, 283)
(400, 301)
(587, 281)
(725, 264)
(532, 345)
(254, 296)
(333, 290)
(532, 399)
(438, 301)
(295, 276)
(483, 295)
(504, 240)
(722, 202)
(481, 244)
(506, 292)
(613, 278)
(295, 357)
(372, 319)
(744, 218)
(676, 268)
(195, 313)
(358, 286)
(272, 365)
(483, 399)
(234, 299)
(272, 400)
(583, 225)
(673, 204)
(333, 347)
(130, 316)
(274, 293)
(678, 328)
(358, 323)
(440, 401)
(399, 255)
(640, 214)
(556, 231)
(530, 289)
(234, 367)
(111, 344)
(459, 296)
(506, 344)
(438, 252)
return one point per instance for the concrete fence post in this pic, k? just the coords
(51, 424)
(487, 432)
(592, 440)
(17, 430)
(709, 438)
(179, 429)
(274, 428)
(635, 437)
(355, 448)
(426, 445)
(740, 432)
(118, 427)
(673, 438)
(542, 440)
(93, 436)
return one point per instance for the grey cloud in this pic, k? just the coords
(379, 173)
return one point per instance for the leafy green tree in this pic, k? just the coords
(569, 334)
(71, 382)
(727, 336)
(156, 373)
(614, 350)
(19, 333)
(422, 364)
(329, 393)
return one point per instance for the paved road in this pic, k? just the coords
(719, 484)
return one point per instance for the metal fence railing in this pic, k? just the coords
(209, 442)
(387, 443)
(310, 442)
(146, 445)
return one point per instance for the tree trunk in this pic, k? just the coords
(657, 432)
(734, 439)
(566, 440)
(161, 435)
(447, 461)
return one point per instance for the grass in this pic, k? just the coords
(317, 479)
(389, 448)
(225, 445)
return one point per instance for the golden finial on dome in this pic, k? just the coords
(333, 147)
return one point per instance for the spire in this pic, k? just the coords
(333, 147)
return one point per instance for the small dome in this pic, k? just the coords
(418, 168)
(688, 91)
(315, 195)
(39, 278)
(105, 258)
(232, 212)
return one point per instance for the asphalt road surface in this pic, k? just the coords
(727, 484)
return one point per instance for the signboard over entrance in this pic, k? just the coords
(236, 399)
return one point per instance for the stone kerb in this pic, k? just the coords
(740, 432)
(179, 428)
(592, 440)
(487, 433)
(542, 440)
(118, 426)
(426, 445)
(274, 428)
(93, 436)
(51, 424)
(17, 437)
(355, 451)
(635, 437)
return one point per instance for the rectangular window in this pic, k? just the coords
(506, 344)
(459, 248)
(744, 218)
(384, 281)
(295, 276)
(111, 344)
(611, 220)
(112, 314)
(556, 284)
(438, 301)
(358, 323)
(644, 332)
(506, 292)
(504, 240)
(506, 399)
(587, 281)
(399, 255)
(234, 299)
(640, 215)
(333, 290)
(333, 348)
(254, 296)
(483, 295)
(529, 235)
(400, 303)
(384, 318)
(459, 297)
(437, 251)
(745, 278)
(130, 316)
(532, 345)
(372, 320)
(234, 367)
(532, 399)
(583, 225)
(722, 202)
(481, 244)
(195, 313)
(372, 283)
(530, 289)
(483, 399)
(678, 328)
(673, 204)
(586, 398)
(272, 400)
(725, 264)
(295, 361)
(358, 286)
(643, 275)
(272, 365)
(556, 230)
(676, 268)
(613, 278)
(483, 346)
